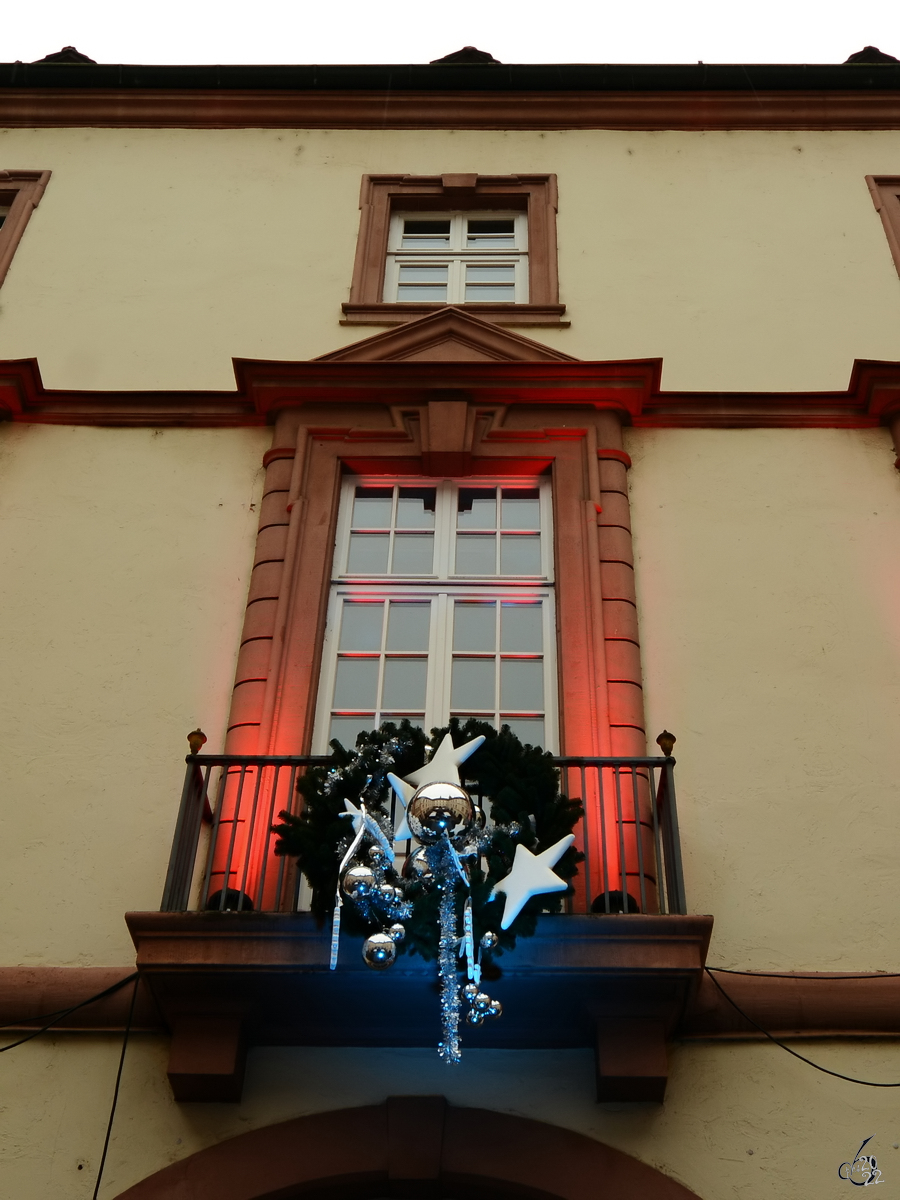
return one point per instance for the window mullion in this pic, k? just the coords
(444, 529)
(440, 653)
(498, 608)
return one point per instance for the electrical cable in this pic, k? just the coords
(115, 1099)
(737, 1008)
(814, 978)
(58, 1016)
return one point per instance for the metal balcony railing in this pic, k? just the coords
(223, 853)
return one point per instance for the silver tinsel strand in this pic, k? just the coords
(448, 1047)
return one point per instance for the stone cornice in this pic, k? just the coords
(630, 388)
(224, 108)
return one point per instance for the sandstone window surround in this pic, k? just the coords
(383, 197)
(20, 194)
(885, 191)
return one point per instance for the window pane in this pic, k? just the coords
(474, 627)
(413, 553)
(500, 232)
(424, 273)
(357, 682)
(472, 684)
(476, 508)
(421, 295)
(361, 626)
(522, 683)
(415, 509)
(372, 508)
(491, 273)
(417, 719)
(425, 235)
(476, 554)
(490, 295)
(521, 628)
(421, 283)
(520, 555)
(368, 553)
(529, 730)
(345, 729)
(404, 683)
(408, 626)
(520, 508)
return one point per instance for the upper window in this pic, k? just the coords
(483, 241)
(20, 193)
(441, 605)
(457, 258)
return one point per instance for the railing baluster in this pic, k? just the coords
(214, 838)
(639, 835)
(248, 846)
(604, 857)
(586, 840)
(662, 883)
(673, 842)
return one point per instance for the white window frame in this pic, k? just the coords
(457, 256)
(441, 588)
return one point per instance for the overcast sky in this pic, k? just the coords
(408, 31)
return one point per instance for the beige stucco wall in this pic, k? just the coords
(724, 1101)
(746, 260)
(768, 573)
(124, 561)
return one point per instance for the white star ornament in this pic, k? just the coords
(531, 876)
(445, 763)
(404, 793)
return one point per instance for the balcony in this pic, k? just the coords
(233, 959)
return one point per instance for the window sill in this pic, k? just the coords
(547, 315)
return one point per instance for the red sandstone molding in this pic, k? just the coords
(410, 1146)
(808, 1005)
(224, 109)
(813, 1004)
(630, 387)
(21, 191)
(383, 195)
(29, 993)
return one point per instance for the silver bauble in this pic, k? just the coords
(470, 991)
(417, 866)
(387, 890)
(376, 855)
(437, 809)
(397, 932)
(482, 1002)
(480, 817)
(379, 951)
(399, 894)
(489, 940)
(474, 1018)
(357, 881)
(495, 1009)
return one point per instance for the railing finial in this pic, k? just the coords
(196, 740)
(666, 742)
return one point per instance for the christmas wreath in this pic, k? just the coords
(526, 809)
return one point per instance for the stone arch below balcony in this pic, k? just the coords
(407, 1148)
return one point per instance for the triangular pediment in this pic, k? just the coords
(450, 335)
